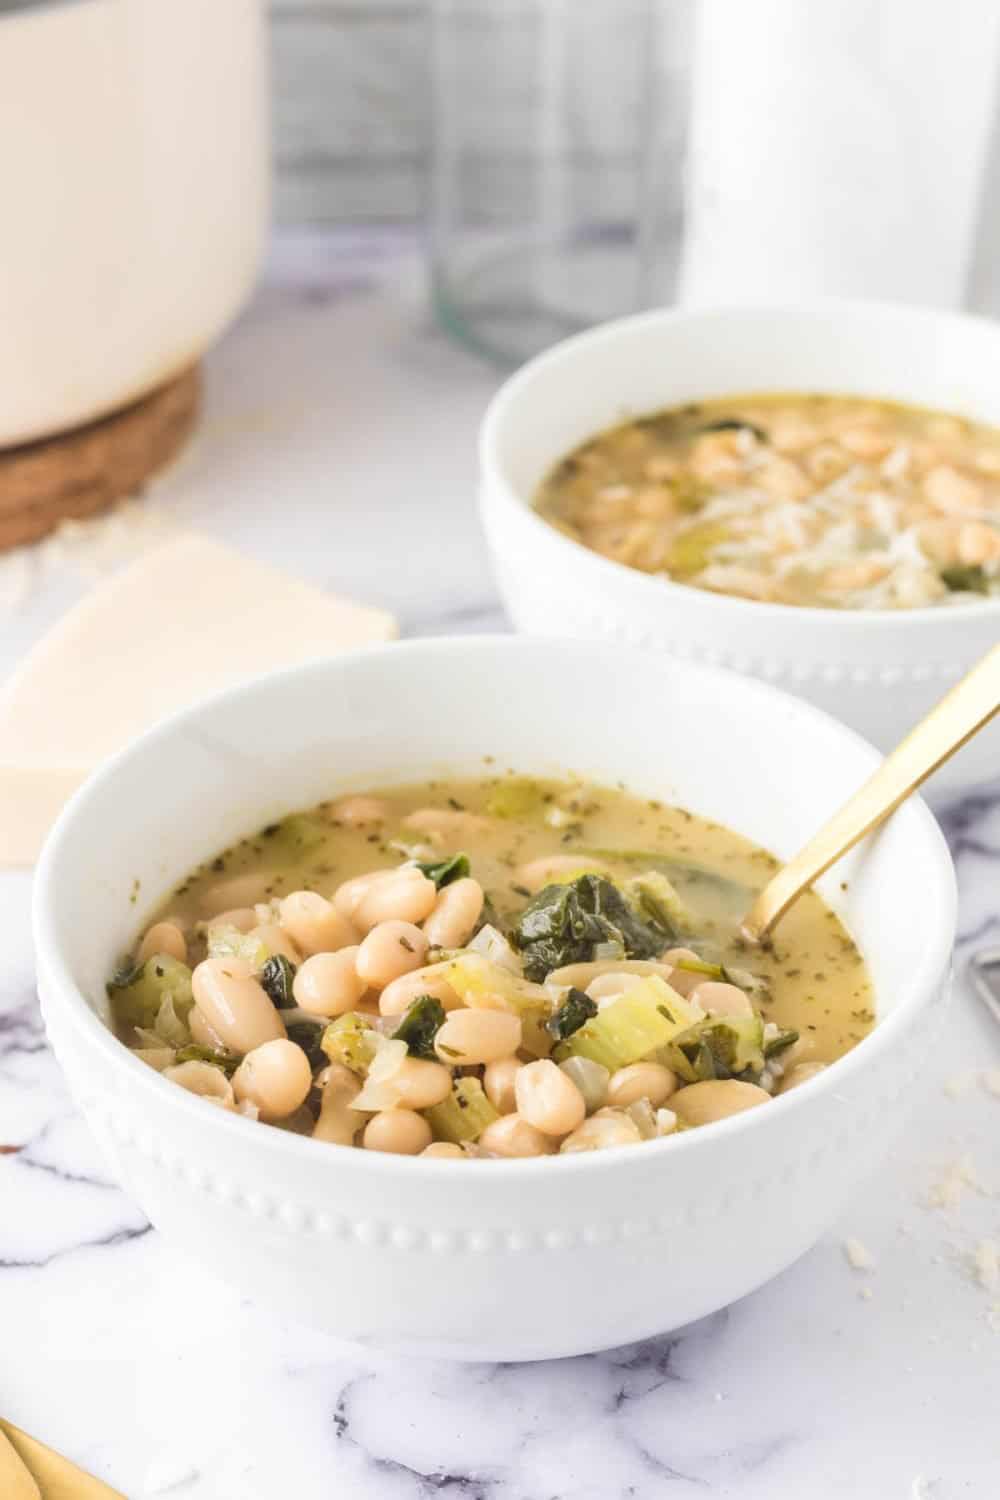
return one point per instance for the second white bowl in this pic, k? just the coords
(879, 671)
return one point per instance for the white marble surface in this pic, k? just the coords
(339, 441)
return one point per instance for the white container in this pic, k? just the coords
(134, 182)
(878, 671)
(489, 1259)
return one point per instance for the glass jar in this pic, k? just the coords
(558, 141)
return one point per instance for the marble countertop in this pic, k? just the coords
(339, 441)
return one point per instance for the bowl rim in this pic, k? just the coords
(56, 978)
(497, 487)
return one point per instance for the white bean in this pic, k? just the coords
(800, 1073)
(419, 1083)
(541, 872)
(641, 1080)
(390, 949)
(719, 999)
(408, 897)
(444, 1149)
(243, 918)
(359, 812)
(235, 1006)
(401, 1131)
(606, 985)
(548, 1099)
(276, 1077)
(512, 1136)
(498, 1083)
(606, 1128)
(581, 976)
(400, 994)
(202, 1033)
(314, 924)
(327, 984)
(715, 1099)
(455, 914)
(338, 1124)
(276, 940)
(348, 896)
(477, 1036)
(239, 890)
(163, 937)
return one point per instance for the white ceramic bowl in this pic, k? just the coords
(492, 1259)
(878, 671)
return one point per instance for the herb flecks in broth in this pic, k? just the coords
(501, 967)
(830, 501)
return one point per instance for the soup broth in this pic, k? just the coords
(825, 501)
(457, 962)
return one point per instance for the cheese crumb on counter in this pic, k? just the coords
(986, 1263)
(958, 1177)
(858, 1256)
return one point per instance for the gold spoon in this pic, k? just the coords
(961, 713)
(31, 1471)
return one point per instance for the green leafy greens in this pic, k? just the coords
(965, 580)
(420, 1025)
(444, 871)
(567, 924)
(276, 978)
(574, 1011)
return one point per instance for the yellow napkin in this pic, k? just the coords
(43, 1475)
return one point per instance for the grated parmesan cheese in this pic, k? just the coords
(858, 1256)
(951, 1186)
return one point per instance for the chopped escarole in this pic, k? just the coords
(657, 900)
(588, 918)
(139, 994)
(464, 1115)
(718, 1047)
(641, 1022)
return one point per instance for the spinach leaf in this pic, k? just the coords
(309, 1038)
(565, 924)
(575, 1009)
(444, 871)
(420, 1025)
(276, 976)
(965, 580)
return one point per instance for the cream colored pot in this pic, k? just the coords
(133, 185)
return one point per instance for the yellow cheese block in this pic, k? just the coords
(51, 1476)
(187, 619)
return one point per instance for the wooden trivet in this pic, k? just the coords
(81, 472)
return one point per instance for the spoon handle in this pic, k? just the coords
(961, 713)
